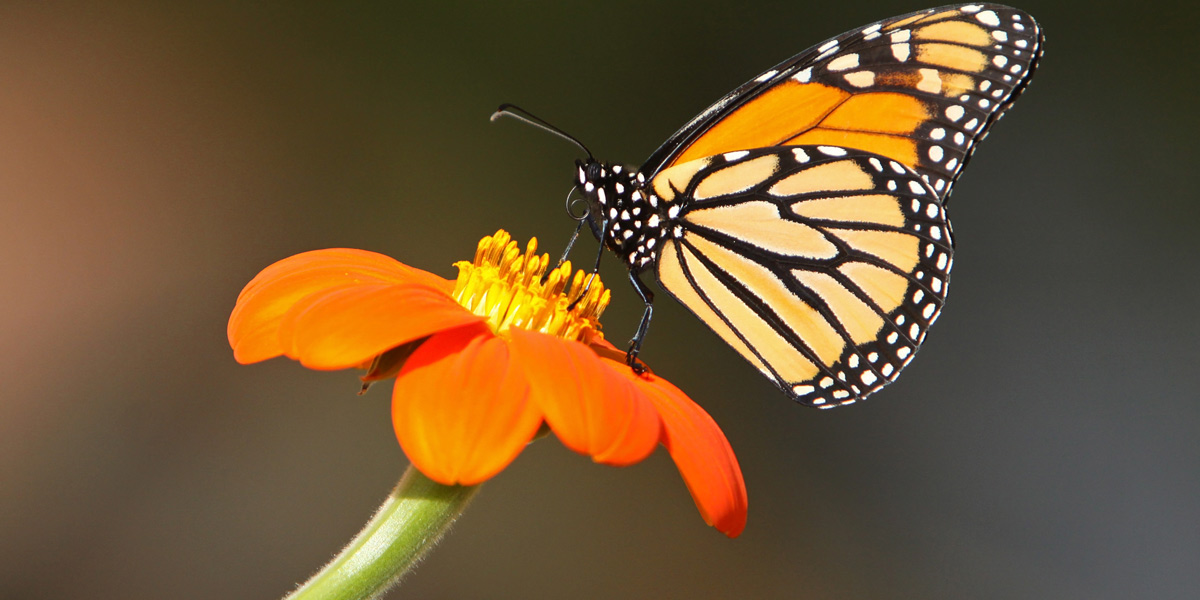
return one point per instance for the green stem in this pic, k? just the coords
(408, 525)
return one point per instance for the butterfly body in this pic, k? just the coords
(802, 217)
(623, 212)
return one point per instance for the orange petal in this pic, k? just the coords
(254, 324)
(702, 454)
(346, 326)
(461, 407)
(593, 410)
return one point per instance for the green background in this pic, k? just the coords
(155, 156)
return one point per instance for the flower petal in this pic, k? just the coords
(347, 326)
(461, 407)
(702, 454)
(260, 307)
(590, 408)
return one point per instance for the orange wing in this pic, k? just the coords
(921, 89)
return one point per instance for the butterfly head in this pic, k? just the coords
(621, 211)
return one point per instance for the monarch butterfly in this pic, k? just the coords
(802, 216)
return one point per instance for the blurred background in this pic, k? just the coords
(156, 156)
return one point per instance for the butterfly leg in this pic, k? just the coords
(635, 344)
(595, 269)
(566, 252)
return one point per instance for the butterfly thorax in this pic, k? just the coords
(623, 211)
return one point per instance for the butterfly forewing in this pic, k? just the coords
(920, 89)
(823, 266)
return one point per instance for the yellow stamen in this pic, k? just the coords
(506, 286)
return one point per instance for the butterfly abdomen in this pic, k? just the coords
(624, 212)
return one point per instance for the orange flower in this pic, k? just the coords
(482, 362)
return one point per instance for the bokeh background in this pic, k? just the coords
(155, 156)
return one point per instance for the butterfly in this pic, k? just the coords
(802, 217)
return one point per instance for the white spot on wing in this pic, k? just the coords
(988, 17)
(860, 79)
(928, 312)
(844, 62)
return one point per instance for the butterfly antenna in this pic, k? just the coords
(520, 114)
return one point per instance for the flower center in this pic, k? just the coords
(513, 289)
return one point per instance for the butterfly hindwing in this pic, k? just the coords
(823, 266)
(921, 89)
